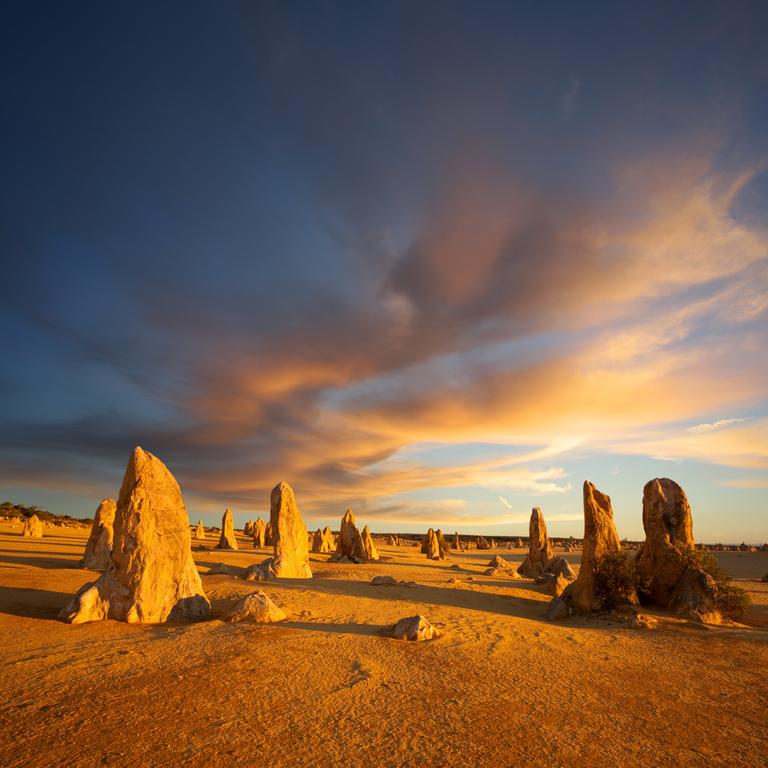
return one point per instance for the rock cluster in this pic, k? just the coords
(352, 546)
(33, 527)
(99, 544)
(322, 541)
(152, 576)
(434, 545)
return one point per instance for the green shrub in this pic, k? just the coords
(618, 579)
(731, 601)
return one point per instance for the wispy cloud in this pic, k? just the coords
(699, 428)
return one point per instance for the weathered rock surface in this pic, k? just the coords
(259, 534)
(393, 541)
(432, 546)
(152, 576)
(351, 544)
(33, 527)
(600, 541)
(200, 531)
(322, 542)
(99, 545)
(255, 607)
(499, 562)
(290, 535)
(227, 539)
(556, 584)
(415, 628)
(248, 528)
(557, 609)
(370, 552)
(425, 541)
(695, 597)
(441, 545)
(539, 548)
(457, 542)
(482, 543)
(263, 571)
(668, 524)
(269, 535)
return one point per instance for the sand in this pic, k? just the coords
(501, 687)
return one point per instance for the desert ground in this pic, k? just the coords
(500, 687)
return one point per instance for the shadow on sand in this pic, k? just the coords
(32, 603)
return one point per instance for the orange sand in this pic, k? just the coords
(502, 687)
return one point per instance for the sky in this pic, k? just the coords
(438, 262)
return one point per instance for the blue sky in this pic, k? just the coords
(439, 262)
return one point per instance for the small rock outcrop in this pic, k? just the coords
(483, 543)
(539, 547)
(199, 531)
(600, 541)
(259, 534)
(227, 539)
(99, 545)
(33, 527)
(668, 524)
(414, 628)
(269, 535)
(393, 540)
(499, 562)
(152, 577)
(255, 607)
(457, 543)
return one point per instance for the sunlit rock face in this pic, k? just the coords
(539, 547)
(259, 534)
(151, 576)
(668, 525)
(291, 559)
(227, 539)
(99, 545)
(350, 545)
(600, 541)
(33, 527)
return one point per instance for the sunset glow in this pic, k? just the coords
(542, 261)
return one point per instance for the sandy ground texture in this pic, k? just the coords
(501, 687)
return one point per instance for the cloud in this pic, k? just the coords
(699, 428)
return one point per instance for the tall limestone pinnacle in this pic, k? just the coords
(290, 535)
(151, 577)
(99, 545)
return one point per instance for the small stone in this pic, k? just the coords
(414, 628)
(255, 607)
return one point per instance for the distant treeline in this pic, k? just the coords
(9, 509)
